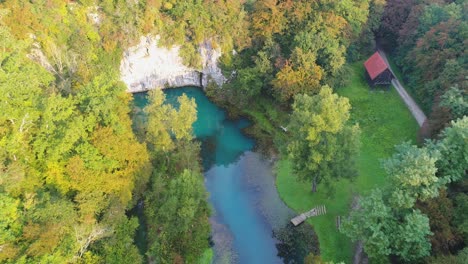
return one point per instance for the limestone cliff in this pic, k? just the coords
(147, 66)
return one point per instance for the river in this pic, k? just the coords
(250, 223)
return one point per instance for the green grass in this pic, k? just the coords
(267, 118)
(385, 121)
(207, 257)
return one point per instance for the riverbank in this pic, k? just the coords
(385, 121)
(249, 221)
(266, 115)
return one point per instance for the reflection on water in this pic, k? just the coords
(238, 205)
(295, 242)
(250, 223)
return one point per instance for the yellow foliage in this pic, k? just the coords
(47, 240)
(55, 175)
(8, 252)
(268, 18)
(168, 6)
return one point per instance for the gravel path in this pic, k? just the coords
(410, 103)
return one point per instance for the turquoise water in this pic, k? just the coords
(249, 222)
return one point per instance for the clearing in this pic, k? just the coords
(385, 122)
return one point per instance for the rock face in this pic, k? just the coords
(38, 56)
(147, 66)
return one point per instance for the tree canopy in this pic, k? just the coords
(323, 145)
(72, 171)
(430, 36)
(68, 183)
(389, 220)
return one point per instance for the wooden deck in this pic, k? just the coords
(316, 211)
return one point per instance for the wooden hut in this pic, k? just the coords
(377, 71)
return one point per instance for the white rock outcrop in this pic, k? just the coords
(38, 56)
(147, 66)
(93, 15)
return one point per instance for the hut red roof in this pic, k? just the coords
(375, 65)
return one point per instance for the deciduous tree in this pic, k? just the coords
(412, 171)
(322, 143)
(453, 148)
(386, 231)
(457, 101)
(300, 75)
(183, 201)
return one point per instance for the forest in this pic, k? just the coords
(77, 162)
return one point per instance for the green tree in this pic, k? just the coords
(183, 119)
(453, 147)
(325, 38)
(323, 146)
(371, 224)
(430, 52)
(416, 175)
(120, 248)
(158, 122)
(60, 165)
(386, 231)
(167, 126)
(248, 83)
(176, 193)
(460, 258)
(11, 224)
(183, 201)
(300, 75)
(410, 236)
(457, 101)
(460, 216)
(412, 171)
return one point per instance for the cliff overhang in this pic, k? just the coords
(148, 66)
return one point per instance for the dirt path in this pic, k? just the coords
(410, 103)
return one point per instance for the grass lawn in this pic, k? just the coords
(207, 257)
(385, 121)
